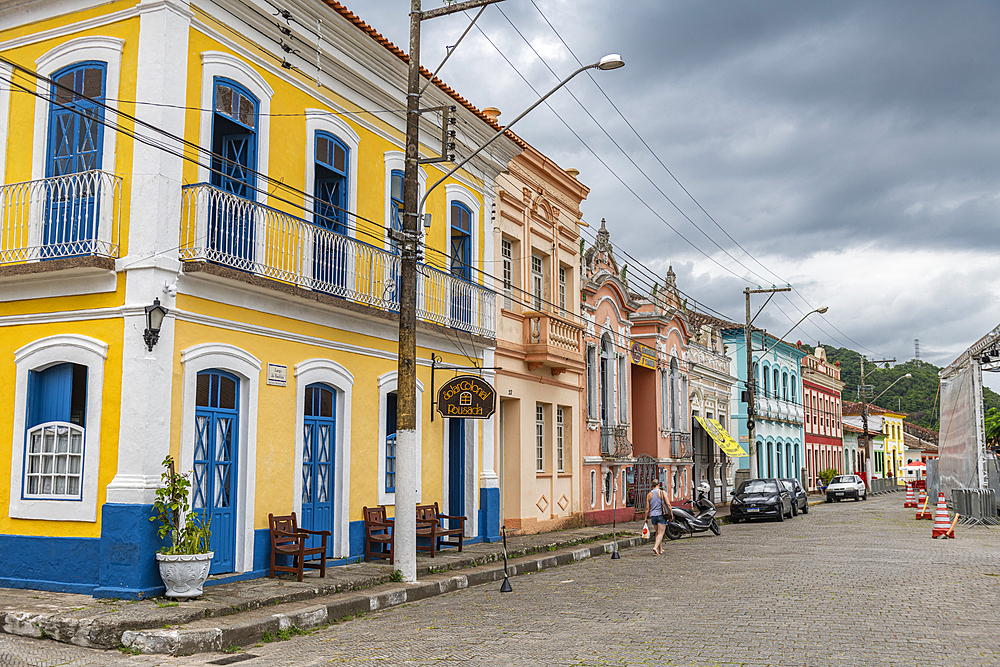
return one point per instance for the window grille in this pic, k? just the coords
(54, 464)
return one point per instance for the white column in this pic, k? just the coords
(151, 263)
(407, 455)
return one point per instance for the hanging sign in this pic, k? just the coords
(467, 396)
(643, 355)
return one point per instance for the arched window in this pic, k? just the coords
(75, 145)
(75, 129)
(461, 240)
(756, 378)
(234, 139)
(674, 379)
(776, 382)
(606, 381)
(330, 183)
(767, 382)
(794, 397)
(784, 386)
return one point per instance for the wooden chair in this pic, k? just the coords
(430, 523)
(287, 539)
(378, 532)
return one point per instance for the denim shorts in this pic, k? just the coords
(657, 519)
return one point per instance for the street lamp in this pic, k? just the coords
(407, 447)
(821, 310)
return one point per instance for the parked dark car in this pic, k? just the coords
(760, 498)
(801, 498)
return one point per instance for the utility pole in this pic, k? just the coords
(751, 384)
(407, 447)
(869, 447)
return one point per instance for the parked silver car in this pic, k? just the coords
(846, 486)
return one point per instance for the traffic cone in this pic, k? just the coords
(921, 496)
(910, 500)
(924, 513)
(942, 522)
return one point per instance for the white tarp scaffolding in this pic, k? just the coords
(962, 440)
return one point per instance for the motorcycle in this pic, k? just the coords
(685, 521)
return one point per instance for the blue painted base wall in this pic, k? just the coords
(122, 562)
(62, 564)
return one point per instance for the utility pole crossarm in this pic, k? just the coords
(457, 7)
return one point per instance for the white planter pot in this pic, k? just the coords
(184, 574)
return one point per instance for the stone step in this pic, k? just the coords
(219, 633)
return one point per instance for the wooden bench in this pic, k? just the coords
(378, 532)
(430, 523)
(287, 539)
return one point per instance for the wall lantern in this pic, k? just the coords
(154, 320)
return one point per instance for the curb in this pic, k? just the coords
(219, 636)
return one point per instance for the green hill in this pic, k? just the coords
(917, 397)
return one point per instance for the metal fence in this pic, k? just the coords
(975, 506)
(877, 487)
(64, 216)
(221, 228)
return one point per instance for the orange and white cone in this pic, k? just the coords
(924, 513)
(910, 500)
(942, 522)
(921, 497)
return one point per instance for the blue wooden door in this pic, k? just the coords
(461, 262)
(456, 468)
(75, 143)
(231, 225)
(216, 450)
(329, 251)
(318, 450)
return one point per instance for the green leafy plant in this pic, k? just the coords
(396, 575)
(827, 475)
(189, 532)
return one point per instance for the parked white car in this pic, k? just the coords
(846, 486)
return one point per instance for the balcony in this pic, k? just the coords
(552, 342)
(224, 229)
(680, 445)
(76, 215)
(614, 442)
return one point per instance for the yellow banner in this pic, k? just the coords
(727, 443)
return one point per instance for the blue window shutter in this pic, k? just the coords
(50, 394)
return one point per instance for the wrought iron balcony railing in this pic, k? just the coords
(614, 442)
(64, 216)
(221, 228)
(680, 445)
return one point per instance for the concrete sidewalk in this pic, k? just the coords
(240, 613)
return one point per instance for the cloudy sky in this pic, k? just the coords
(850, 149)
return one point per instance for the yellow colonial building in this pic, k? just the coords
(243, 171)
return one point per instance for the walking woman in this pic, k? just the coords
(658, 512)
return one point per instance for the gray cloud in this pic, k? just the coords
(852, 147)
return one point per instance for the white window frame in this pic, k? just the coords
(36, 356)
(454, 192)
(507, 258)
(539, 438)
(562, 288)
(318, 120)
(387, 383)
(246, 367)
(396, 161)
(537, 282)
(593, 408)
(560, 439)
(593, 488)
(332, 374)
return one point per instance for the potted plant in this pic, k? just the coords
(184, 563)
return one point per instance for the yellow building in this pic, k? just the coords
(895, 444)
(243, 171)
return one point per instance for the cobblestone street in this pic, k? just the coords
(848, 584)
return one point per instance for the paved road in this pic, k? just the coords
(849, 584)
